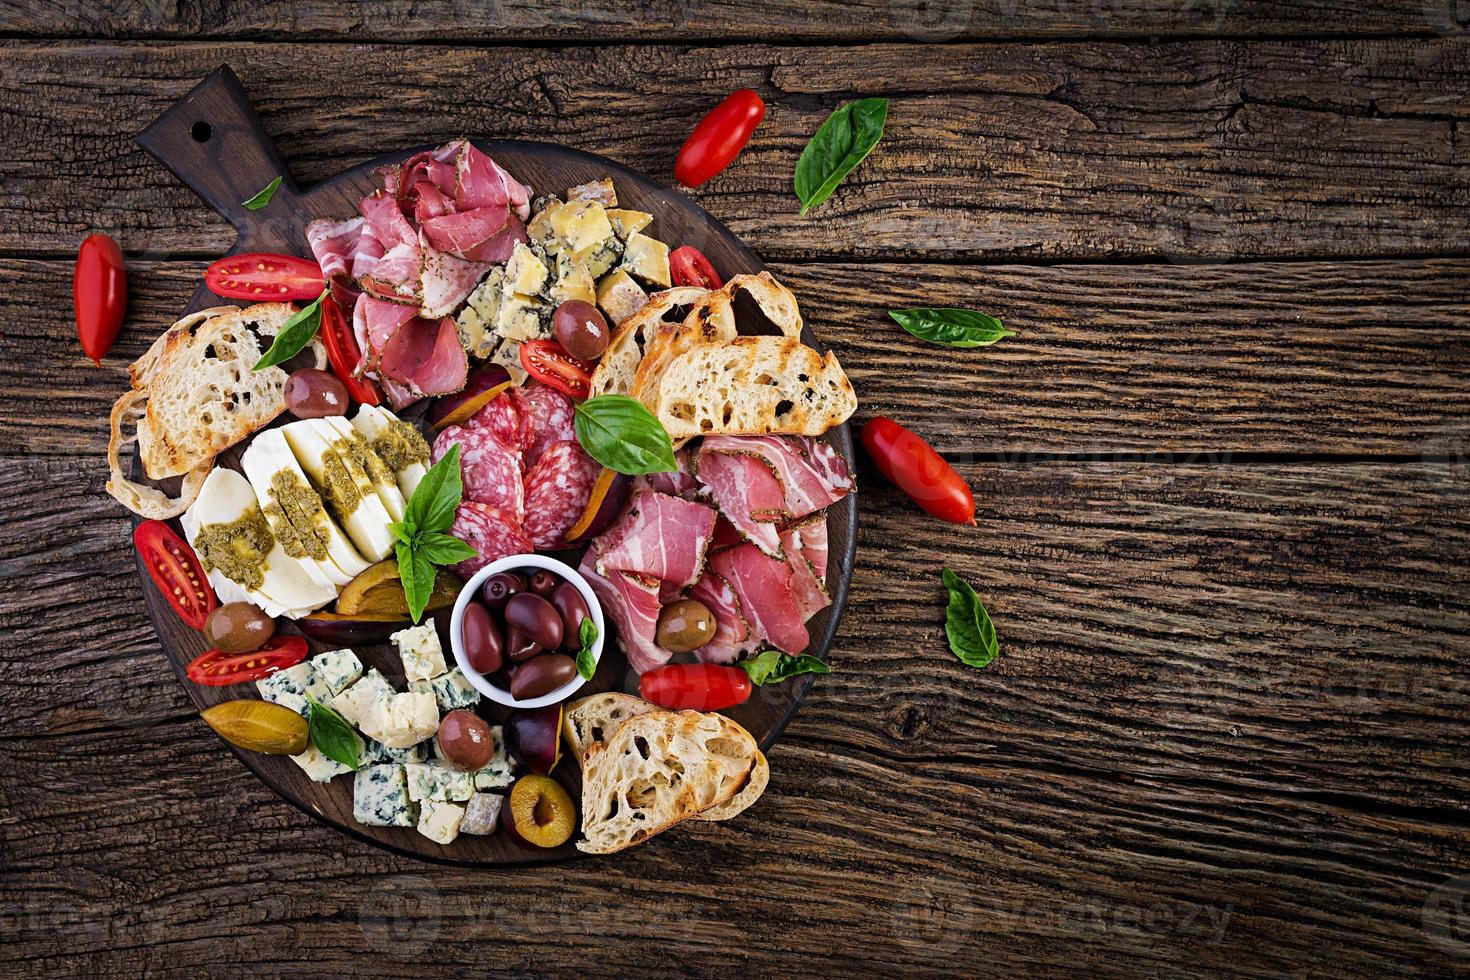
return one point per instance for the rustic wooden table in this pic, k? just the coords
(1222, 479)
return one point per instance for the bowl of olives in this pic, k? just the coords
(516, 630)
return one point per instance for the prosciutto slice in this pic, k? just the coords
(812, 474)
(425, 356)
(733, 637)
(480, 182)
(445, 280)
(813, 542)
(766, 592)
(660, 536)
(681, 482)
(335, 245)
(632, 603)
(808, 591)
(746, 489)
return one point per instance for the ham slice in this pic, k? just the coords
(334, 244)
(747, 491)
(425, 356)
(379, 320)
(812, 474)
(681, 482)
(808, 590)
(733, 637)
(766, 592)
(480, 182)
(659, 536)
(445, 280)
(813, 530)
(632, 603)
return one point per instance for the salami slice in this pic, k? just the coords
(486, 530)
(505, 417)
(549, 420)
(490, 471)
(557, 490)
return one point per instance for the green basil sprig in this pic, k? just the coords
(848, 135)
(263, 198)
(773, 665)
(622, 435)
(586, 666)
(332, 735)
(422, 543)
(967, 624)
(294, 335)
(950, 327)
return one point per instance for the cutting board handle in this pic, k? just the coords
(212, 140)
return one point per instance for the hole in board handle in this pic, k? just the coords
(201, 131)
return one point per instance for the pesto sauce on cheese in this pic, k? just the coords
(296, 507)
(400, 446)
(339, 489)
(238, 548)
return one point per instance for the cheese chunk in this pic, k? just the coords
(452, 690)
(380, 797)
(397, 443)
(524, 272)
(402, 720)
(375, 751)
(626, 224)
(291, 687)
(522, 318)
(354, 445)
(580, 224)
(508, 356)
(575, 283)
(497, 772)
(619, 296)
(420, 651)
(344, 486)
(601, 191)
(338, 668)
(438, 781)
(476, 321)
(295, 511)
(481, 814)
(353, 703)
(319, 767)
(648, 259)
(440, 821)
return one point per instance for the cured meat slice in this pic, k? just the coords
(733, 637)
(681, 482)
(425, 355)
(481, 235)
(659, 535)
(557, 490)
(746, 489)
(812, 474)
(632, 603)
(813, 530)
(725, 535)
(374, 322)
(335, 245)
(489, 470)
(764, 587)
(445, 281)
(550, 418)
(486, 530)
(807, 590)
(505, 418)
(481, 182)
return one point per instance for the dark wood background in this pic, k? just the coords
(1223, 477)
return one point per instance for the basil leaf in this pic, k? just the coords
(848, 135)
(773, 665)
(332, 735)
(443, 549)
(402, 530)
(437, 496)
(586, 666)
(264, 197)
(967, 624)
(416, 572)
(294, 335)
(622, 435)
(950, 327)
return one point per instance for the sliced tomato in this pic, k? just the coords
(549, 363)
(689, 267)
(344, 354)
(176, 570)
(265, 277)
(215, 668)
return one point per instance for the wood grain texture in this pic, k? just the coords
(1206, 361)
(1219, 150)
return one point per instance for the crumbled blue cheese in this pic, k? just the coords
(497, 772)
(437, 781)
(481, 814)
(291, 687)
(319, 767)
(375, 751)
(339, 668)
(451, 690)
(353, 703)
(420, 652)
(380, 797)
(402, 720)
(439, 821)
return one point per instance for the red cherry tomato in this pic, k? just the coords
(215, 668)
(704, 687)
(719, 137)
(99, 295)
(344, 354)
(264, 277)
(549, 363)
(689, 267)
(919, 471)
(176, 570)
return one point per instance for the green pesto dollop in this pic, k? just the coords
(400, 446)
(296, 507)
(356, 448)
(238, 548)
(339, 489)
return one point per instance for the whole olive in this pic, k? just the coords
(483, 643)
(466, 741)
(685, 625)
(499, 587)
(581, 329)
(312, 393)
(238, 627)
(534, 618)
(573, 608)
(518, 646)
(543, 582)
(542, 675)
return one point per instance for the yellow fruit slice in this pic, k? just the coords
(258, 726)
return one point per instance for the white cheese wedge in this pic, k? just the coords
(351, 500)
(377, 424)
(267, 576)
(384, 480)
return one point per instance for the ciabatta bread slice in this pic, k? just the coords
(619, 365)
(594, 719)
(755, 785)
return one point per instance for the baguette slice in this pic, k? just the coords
(753, 386)
(657, 770)
(760, 775)
(618, 367)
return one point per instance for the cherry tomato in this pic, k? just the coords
(917, 470)
(704, 687)
(176, 570)
(344, 354)
(215, 668)
(99, 295)
(689, 267)
(549, 363)
(265, 277)
(719, 137)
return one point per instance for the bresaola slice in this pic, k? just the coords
(661, 536)
(632, 603)
(425, 356)
(765, 589)
(745, 488)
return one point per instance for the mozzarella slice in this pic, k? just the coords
(246, 561)
(350, 498)
(296, 512)
(384, 480)
(404, 450)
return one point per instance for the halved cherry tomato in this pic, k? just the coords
(176, 570)
(265, 277)
(719, 137)
(689, 267)
(549, 363)
(215, 668)
(99, 295)
(704, 687)
(917, 470)
(344, 354)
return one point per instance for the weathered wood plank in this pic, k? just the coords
(1202, 360)
(1038, 151)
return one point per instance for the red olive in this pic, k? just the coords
(534, 618)
(581, 328)
(542, 675)
(499, 588)
(543, 582)
(573, 608)
(315, 394)
(465, 740)
(481, 636)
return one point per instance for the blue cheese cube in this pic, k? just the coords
(380, 797)
(437, 781)
(338, 668)
(291, 687)
(420, 652)
(481, 814)
(497, 772)
(451, 690)
(319, 767)
(353, 703)
(576, 225)
(439, 821)
(402, 720)
(375, 751)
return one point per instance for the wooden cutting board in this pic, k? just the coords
(213, 141)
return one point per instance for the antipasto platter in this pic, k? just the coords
(505, 466)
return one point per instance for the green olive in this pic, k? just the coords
(685, 625)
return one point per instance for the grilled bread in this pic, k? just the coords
(618, 368)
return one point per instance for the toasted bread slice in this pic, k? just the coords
(754, 386)
(657, 770)
(774, 299)
(619, 365)
(755, 785)
(594, 719)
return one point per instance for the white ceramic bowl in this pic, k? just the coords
(471, 589)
